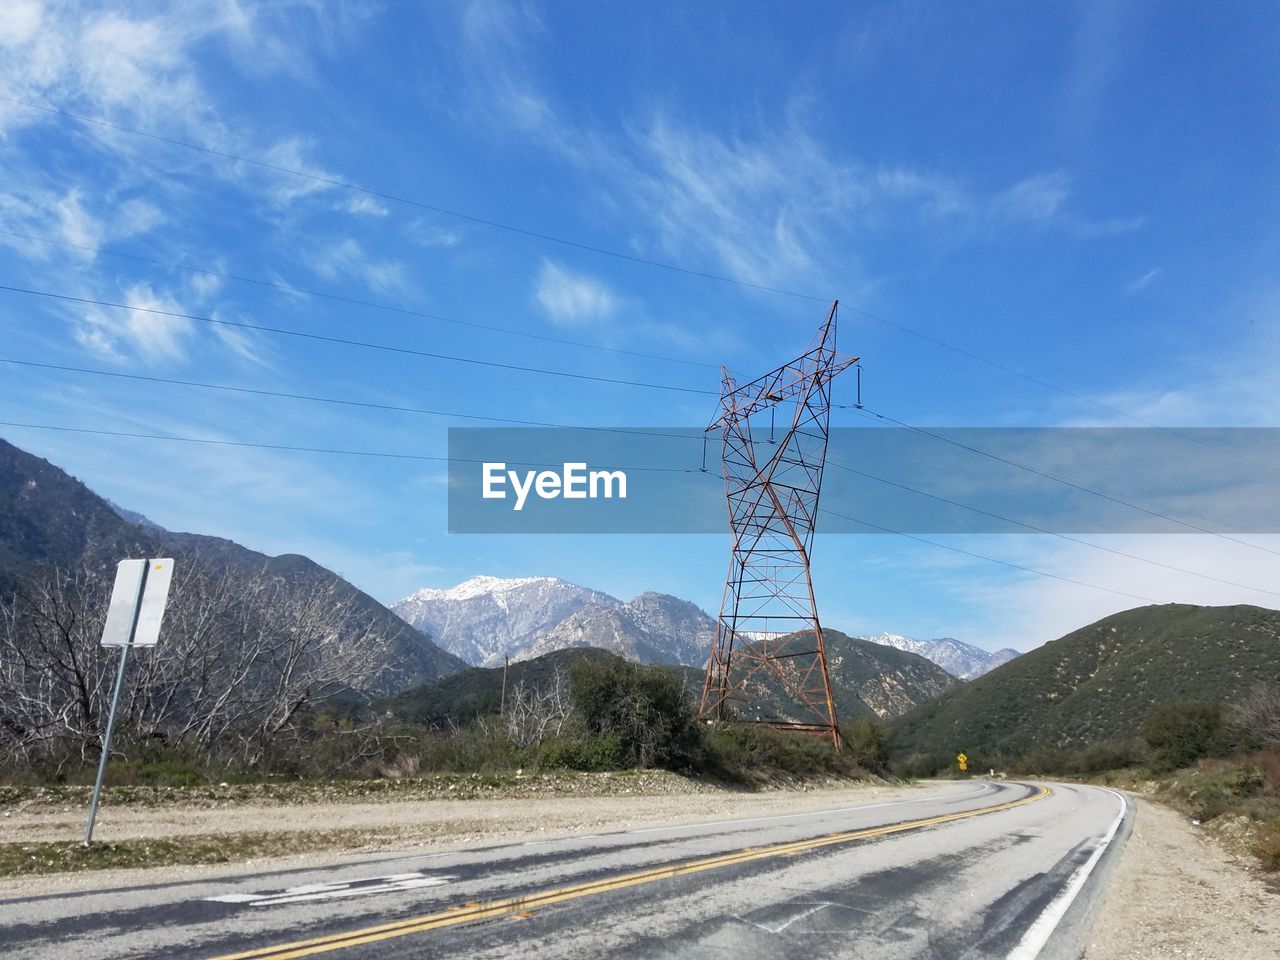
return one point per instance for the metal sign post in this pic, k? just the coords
(133, 620)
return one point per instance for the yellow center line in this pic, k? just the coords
(472, 912)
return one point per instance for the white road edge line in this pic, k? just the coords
(982, 788)
(1042, 928)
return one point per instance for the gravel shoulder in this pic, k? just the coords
(1177, 893)
(320, 831)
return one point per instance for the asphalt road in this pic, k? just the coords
(970, 870)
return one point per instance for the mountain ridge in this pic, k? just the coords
(48, 518)
(1100, 682)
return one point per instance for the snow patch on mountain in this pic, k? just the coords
(958, 658)
(484, 619)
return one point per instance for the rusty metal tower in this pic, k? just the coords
(768, 638)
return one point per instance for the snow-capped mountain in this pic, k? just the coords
(651, 628)
(485, 618)
(958, 658)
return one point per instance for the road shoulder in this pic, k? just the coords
(1177, 893)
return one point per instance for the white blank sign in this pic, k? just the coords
(130, 594)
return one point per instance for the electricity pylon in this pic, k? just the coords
(769, 638)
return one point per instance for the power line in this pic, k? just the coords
(299, 449)
(396, 408)
(1060, 536)
(419, 204)
(354, 301)
(980, 556)
(390, 407)
(1067, 483)
(284, 331)
(425, 457)
(603, 251)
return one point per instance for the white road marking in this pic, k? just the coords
(332, 891)
(1042, 928)
(800, 916)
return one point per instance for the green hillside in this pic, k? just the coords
(867, 679)
(1099, 683)
(463, 697)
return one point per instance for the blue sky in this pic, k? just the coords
(1085, 193)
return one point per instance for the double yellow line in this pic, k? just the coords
(472, 912)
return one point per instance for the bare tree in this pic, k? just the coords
(243, 657)
(1256, 717)
(54, 680)
(532, 714)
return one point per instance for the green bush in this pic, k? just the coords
(1103, 757)
(754, 752)
(645, 708)
(867, 742)
(583, 753)
(1181, 732)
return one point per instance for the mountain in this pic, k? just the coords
(651, 628)
(134, 517)
(867, 679)
(49, 518)
(486, 618)
(959, 659)
(1099, 683)
(475, 692)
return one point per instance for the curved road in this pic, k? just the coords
(972, 870)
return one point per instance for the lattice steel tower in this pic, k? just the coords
(768, 638)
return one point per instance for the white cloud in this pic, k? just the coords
(571, 299)
(19, 20)
(75, 224)
(1037, 198)
(243, 343)
(363, 204)
(1034, 609)
(431, 235)
(764, 201)
(154, 337)
(1142, 282)
(347, 259)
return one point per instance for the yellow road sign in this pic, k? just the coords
(962, 759)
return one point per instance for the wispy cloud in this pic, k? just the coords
(572, 299)
(365, 205)
(1141, 283)
(766, 200)
(347, 259)
(152, 337)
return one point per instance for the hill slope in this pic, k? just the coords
(49, 518)
(463, 697)
(650, 628)
(1100, 682)
(867, 679)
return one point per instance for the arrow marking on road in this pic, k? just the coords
(333, 891)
